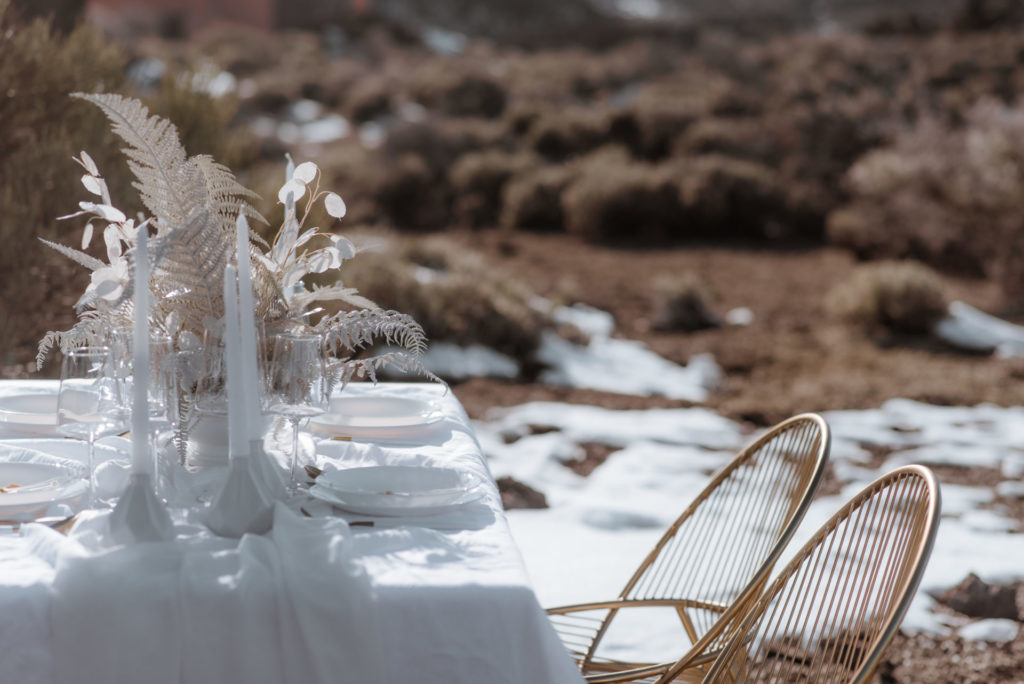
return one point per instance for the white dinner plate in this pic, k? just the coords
(397, 490)
(32, 482)
(30, 413)
(368, 416)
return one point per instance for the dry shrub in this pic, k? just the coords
(410, 197)
(455, 294)
(478, 179)
(683, 303)
(410, 183)
(40, 129)
(949, 197)
(740, 138)
(368, 99)
(447, 86)
(663, 109)
(533, 201)
(616, 199)
(203, 121)
(441, 141)
(727, 197)
(557, 75)
(558, 134)
(899, 296)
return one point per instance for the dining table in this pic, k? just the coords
(331, 593)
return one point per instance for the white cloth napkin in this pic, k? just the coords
(289, 606)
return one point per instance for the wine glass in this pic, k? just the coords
(88, 401)
(119, 341)
(298, 385)
(185, 371)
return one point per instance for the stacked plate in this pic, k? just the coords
(397, 490)
(33, 413)
(34, 484)
(363, 417)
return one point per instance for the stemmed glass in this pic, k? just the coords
(88, 401)
(298, 386)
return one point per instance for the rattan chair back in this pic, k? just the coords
(712, 563)
(833, 609)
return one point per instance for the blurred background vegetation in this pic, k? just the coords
(892, 130)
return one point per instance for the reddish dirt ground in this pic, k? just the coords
(793, 357)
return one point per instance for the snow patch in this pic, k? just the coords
(625, 367)
(995, 630)
(667, 456)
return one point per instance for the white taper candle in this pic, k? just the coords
(247, 314)
(141, 462)
(238, 438)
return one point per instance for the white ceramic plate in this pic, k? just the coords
(32, 482)
(30, 413)
(397, 490)
(367, 416)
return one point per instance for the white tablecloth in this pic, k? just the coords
(425, 602)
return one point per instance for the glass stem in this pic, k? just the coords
(90, 493)
(292, 480)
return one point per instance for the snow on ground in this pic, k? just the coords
(607, 364)
(599, 528)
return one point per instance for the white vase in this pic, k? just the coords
(208, 443)
(208, 439)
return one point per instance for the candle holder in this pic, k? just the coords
(139, 515)
(242, 505)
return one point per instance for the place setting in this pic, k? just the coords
(36, 486)
(376, 417)
(28, 413)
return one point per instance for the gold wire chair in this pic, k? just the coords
(712, 563)
(833, 609)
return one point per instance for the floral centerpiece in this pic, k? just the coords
(193, 205)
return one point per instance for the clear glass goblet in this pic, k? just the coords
(88, 401)
(298, 386)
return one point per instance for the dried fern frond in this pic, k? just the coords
(360, 329)
(155, 157)
(90, 262)
(325, 293)
(89, 330)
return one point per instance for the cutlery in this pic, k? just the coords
(61, 523)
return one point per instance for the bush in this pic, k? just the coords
(683, 304)
(898, 296)
(559, 134)
(478, 179)
(739, 138)
(40, 129)
(409, 195)
(614, 199)
(665, 108)
(411, 185)
(368, 99)
(452, 292)
(949, 197)
(203, 121)
(447, 87)
(533, 201)
(727, 197)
